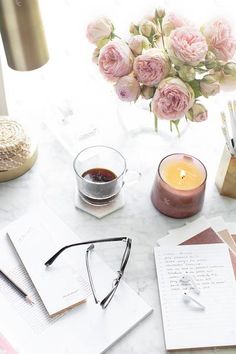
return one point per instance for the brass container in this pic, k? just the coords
(23, 34)
(226, 175)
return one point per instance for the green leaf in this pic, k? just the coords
(102, 42)
(201, 70)
(195, 84)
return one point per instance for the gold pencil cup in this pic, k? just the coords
(23, 34)
(226, 174)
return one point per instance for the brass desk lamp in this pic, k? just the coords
(26, 49)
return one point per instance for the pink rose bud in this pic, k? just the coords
(99, 29)
(147, 92)
(127, 88)
(228, 83)
(138, 43)
(95, 55)
(160, 13)
(151, 67)
(210, 60)
(115, 60)
(209, 86)
(220, 40)
(230, 69)
(187, 73)
(187, 45)
(134, 29)
(172, 99)
(197, 113)
(173, 21)
(147, 28)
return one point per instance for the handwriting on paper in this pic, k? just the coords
(198, 266)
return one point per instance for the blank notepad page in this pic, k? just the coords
(36, 239)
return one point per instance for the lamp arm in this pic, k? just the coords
(3, 102)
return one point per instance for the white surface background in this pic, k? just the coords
(70, 94)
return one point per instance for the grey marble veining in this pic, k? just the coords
(52, 180)
(81, 109)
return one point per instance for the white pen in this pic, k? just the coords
(234, 109)
(227, 139)
(234, 117)
(223, 118)
(233, 121)
(225, 131)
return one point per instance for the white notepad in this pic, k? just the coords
(35, 240)
(187, 325)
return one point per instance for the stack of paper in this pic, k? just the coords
(36, 236)
(196, 269)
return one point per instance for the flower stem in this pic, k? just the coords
(177, 128)
(150, 106)
(162, 37)
(156, 123)
(176, 123)
(115, 35)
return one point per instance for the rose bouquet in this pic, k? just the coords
(166, 60)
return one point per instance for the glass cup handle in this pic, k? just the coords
(132, 177)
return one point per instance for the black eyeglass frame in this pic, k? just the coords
(106, 300)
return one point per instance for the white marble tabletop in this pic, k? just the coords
(80, 109)
(52, 180)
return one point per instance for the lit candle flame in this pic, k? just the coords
(182, 174)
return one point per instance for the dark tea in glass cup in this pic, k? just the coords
(100, 172)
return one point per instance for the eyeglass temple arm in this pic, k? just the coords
(125, 257)
(91, 247)
(52, 259)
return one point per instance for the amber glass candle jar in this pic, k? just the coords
(179, 186)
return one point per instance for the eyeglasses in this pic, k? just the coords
(106, 300)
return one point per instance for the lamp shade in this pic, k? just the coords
(23, 34)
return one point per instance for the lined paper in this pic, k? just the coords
(186, 325)
(34, 315)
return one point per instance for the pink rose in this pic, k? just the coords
(127, 88)
(209, 85)
(115, 60)
(187, 45)
(173, 21)
(99, 29)
(138, 43)
(197, 113)
(150, 68)
(219, 37)
(172, 99)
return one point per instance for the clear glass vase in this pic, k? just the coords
(136, 118)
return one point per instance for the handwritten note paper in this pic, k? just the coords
(209, 268)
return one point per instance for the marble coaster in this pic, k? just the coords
(100, 211)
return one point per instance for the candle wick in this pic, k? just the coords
(182, 174)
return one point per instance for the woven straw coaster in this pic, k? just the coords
(16, 155)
